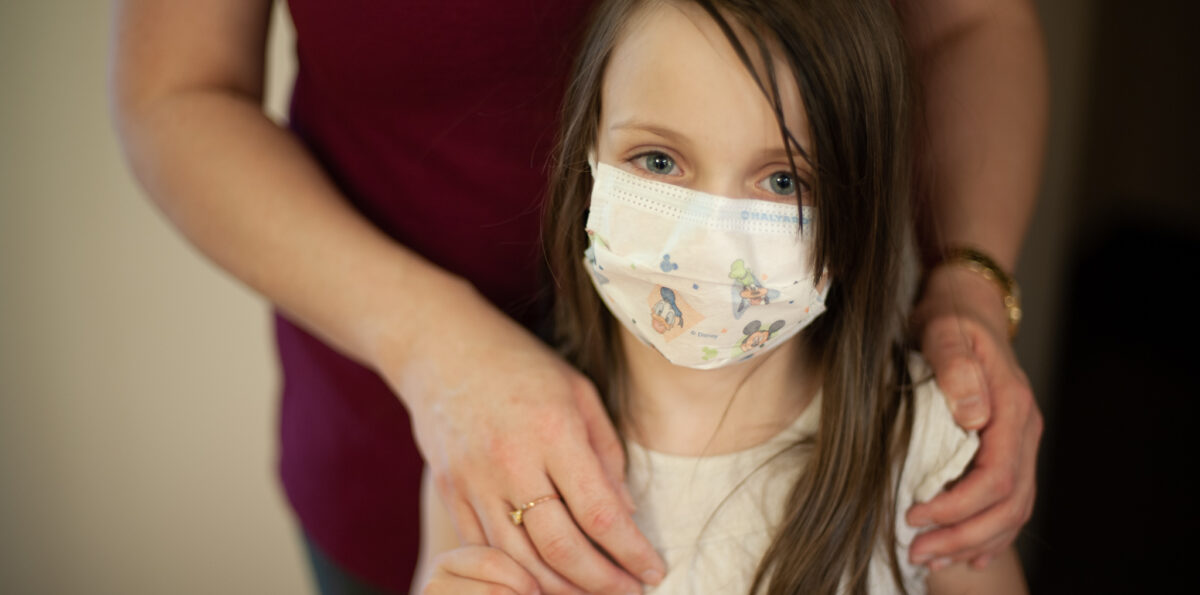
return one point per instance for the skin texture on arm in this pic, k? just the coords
(187, 87)
(983, 70)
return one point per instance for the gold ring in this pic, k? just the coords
(518, 513)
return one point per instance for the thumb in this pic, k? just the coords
(602, 437)
(946, 345)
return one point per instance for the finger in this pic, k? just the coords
(604, 441)
(466, 524)
(979, 490)
(453, 500)
(564, 548)
(489, 565)
(503, 534)
(960, 540)
(988, 550)
(988, 532)
(595, 508)
(948, 346)
(992, 478)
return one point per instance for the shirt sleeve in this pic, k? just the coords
(938, 453)
(939, 450)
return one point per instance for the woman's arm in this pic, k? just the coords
(187, 89)
(983, 70)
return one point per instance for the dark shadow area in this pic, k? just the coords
(1116, 509)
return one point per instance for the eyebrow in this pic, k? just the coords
(777, 154)
(662, 131)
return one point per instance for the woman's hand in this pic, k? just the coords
(502, 421)
(964, 336)
(478, 570)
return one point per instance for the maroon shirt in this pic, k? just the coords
(436, 120)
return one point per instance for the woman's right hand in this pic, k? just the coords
(502, 420)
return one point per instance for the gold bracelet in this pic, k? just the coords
(979, 262)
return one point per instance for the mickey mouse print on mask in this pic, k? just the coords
(690, 311)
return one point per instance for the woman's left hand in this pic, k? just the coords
(964, 336)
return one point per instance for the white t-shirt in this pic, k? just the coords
(712, 518)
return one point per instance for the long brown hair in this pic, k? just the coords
(850, 62)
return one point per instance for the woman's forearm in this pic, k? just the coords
(251, 198)
(982, 67)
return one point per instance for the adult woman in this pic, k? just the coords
(404, 118)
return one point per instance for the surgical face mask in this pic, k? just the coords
(706, 280)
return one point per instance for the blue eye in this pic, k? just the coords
(658, 163)
(781, 183)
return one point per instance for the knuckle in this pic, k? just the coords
(1002, 485)
(526, 585)
(491, 563)
(1015, 515)
(612, 449)
(958, 376)
(599, 519)
(558, 550)
(581, 388)
(443, 482)
(940, 542)
(1039, 424)
(966, 538)
(1024, 395)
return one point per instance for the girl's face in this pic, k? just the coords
(680, 107)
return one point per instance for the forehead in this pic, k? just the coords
(673, 66)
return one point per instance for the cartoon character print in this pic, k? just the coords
(747, 289)
(755, 336)
(666, 265)
(665, 313)
(670, 314)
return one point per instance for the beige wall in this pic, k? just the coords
(137, 384)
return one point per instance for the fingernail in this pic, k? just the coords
(970, 410)
(939, 564)
(921, 558)
(652, 577)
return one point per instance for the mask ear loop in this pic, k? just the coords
(591, 159)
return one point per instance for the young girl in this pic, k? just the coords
(729, 230)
